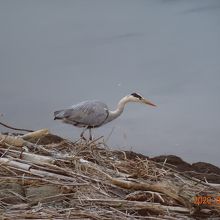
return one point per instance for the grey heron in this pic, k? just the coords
(93, 113)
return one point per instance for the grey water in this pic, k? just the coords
(54, 54)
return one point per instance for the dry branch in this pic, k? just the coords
(156, 187)
(135, 205)
(13, 128)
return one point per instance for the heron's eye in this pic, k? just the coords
(136, 96)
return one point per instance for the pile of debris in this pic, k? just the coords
(45, 176)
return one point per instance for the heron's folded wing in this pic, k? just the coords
(89, 113)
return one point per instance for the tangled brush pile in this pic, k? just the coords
(44, 176)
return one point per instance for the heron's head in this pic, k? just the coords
(135, 97)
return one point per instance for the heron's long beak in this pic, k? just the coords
(145, 101)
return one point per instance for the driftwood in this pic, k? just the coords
(157, 187)
(36, 134)
(34, 158)
(87, 180)
(26, 168)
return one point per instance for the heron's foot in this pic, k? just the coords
(82, 137)
(90, 134)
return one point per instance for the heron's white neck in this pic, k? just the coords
(120, 108)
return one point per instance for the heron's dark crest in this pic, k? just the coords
(136, 95)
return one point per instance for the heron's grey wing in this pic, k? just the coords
(88, 113)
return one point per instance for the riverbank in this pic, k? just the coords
(45, 176)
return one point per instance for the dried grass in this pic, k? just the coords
(43, 176)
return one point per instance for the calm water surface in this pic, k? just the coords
(56, 53)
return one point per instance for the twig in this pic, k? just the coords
(13, 128)
(136, 205)
(182, 174)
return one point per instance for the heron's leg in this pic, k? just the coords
(82, 134)
(90, 134)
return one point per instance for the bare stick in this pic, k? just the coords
(136, 205)
(13, 128)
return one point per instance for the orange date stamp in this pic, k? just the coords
(206, 200)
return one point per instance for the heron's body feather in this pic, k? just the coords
(85, 114)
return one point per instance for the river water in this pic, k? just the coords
(56, 53)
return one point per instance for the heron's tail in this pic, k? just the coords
(58, 114)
